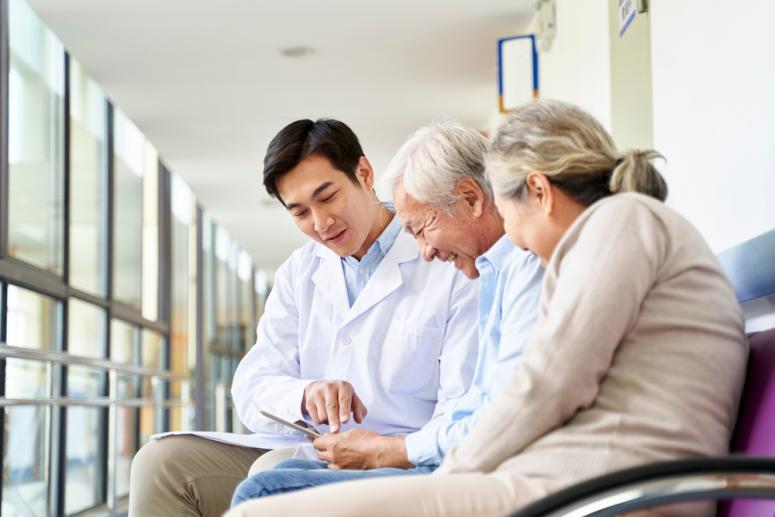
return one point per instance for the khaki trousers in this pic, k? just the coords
(187, 476)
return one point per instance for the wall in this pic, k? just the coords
(577, 66)
(714, 114)
(713, 111)
(631, 94)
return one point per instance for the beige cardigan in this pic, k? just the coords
(639, 354)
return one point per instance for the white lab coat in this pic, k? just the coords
(408, 345)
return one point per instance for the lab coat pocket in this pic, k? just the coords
(410, 359)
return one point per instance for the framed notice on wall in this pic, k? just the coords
(517, 71)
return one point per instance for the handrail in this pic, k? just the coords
(634, 488)
(34, 354)
(91, 402)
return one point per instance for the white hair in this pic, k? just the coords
(435, 158)
(571, 148)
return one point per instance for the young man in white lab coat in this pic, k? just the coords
(444, 201)
(357, 331)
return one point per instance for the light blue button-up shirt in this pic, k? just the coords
(357, 272)
(509, 290)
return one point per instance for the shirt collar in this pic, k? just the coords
(497, 253)
(381, 246)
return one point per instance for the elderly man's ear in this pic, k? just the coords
(471, 193)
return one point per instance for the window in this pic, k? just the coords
(183, 283)
(124, 349)
(128, 171)
(86, 336)
(35, 142)
(152, 354)
(247, 301)
(33, 321)
(88, 181)
(151, 233)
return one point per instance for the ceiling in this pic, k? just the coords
(207, 84)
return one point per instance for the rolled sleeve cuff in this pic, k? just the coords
(422, 447)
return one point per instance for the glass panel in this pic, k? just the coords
(25, 462)
(126, 432)
(208, 317)
(88, 179)
(123, 345)
(126, 437)
(126, 387)
(35, 141)
(27, 379)
(128, 169)
(179, 416)
(151, 233)
(152, 357)
(208, 281)
(85, 383)
(82, 476)
(149, 415)
(34, 320)
(182, 208)
(246, 293)
(86, 329)
(226, 312)
(262, 290)
(152, 350)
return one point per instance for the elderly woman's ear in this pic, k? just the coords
(539, 191)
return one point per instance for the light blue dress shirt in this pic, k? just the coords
(509, 291)
(357, 272)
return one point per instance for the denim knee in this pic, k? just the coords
(249, 488)
(300, 464)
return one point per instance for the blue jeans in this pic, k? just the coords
(292, 475)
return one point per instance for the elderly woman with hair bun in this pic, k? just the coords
(639, 353)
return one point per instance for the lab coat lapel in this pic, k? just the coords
(387, 277)
(329, 280)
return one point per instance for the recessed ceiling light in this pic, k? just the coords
(297, 51)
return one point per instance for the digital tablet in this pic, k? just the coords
(312, 433)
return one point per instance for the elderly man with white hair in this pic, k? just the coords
(444, 200)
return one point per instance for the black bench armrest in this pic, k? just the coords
(714, 478)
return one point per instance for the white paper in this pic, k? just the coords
(256, 441)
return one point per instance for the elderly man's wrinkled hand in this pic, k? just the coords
(360, 449)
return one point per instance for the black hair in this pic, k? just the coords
(328, 138)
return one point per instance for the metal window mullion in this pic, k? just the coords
(164, 244)
(58, 437)
(165, 286)
(87, 297)
(66, 173)
(107, 441)
(103, 443)
(111, 202)
(138, 393)
(199, 368)
(3, 317)
(112, 438)
(131, 315)
(31, 277)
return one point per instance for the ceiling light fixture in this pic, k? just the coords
(297, 51)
